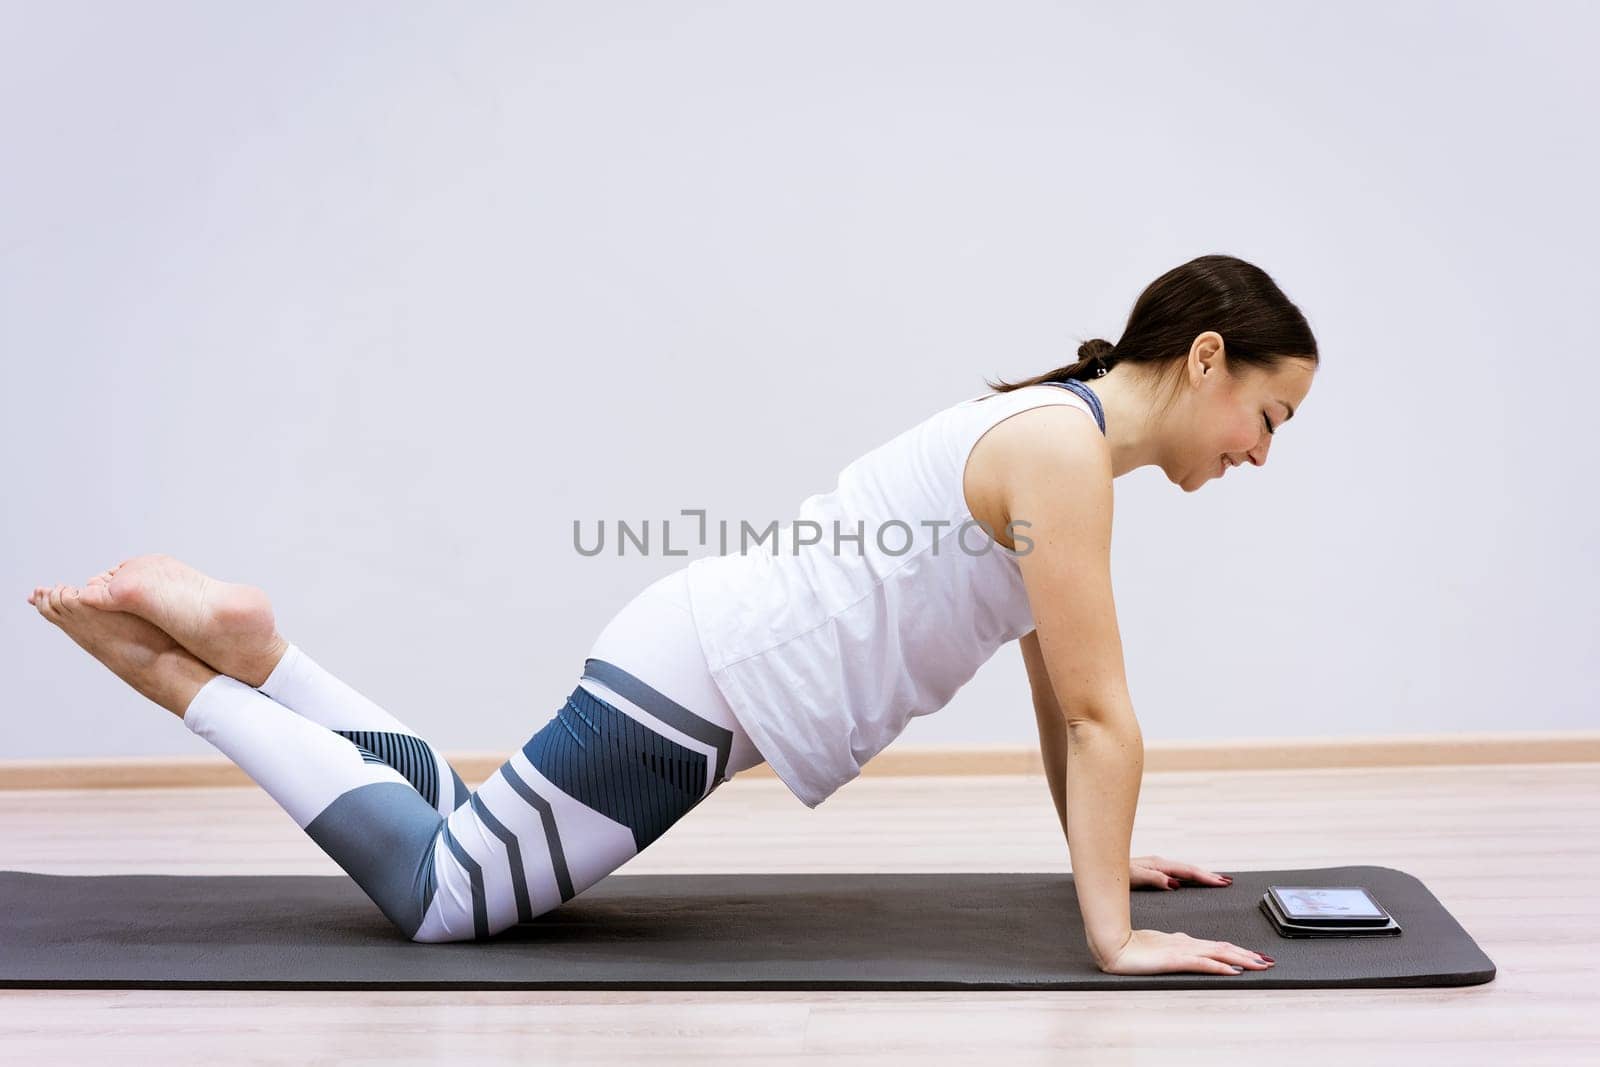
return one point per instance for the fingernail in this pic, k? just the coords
(1266, 957)
(1172, 884)
(1236, 970)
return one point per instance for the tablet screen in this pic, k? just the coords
(1327, 903)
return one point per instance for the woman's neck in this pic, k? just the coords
(1135, 441)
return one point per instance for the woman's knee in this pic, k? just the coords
(437, 928)
(425, 936)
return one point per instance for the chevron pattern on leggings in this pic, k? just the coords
(605, 758)
(409, 755)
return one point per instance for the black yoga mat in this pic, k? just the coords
(693, 931)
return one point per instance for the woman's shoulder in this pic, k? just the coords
(1031, 419)
(1032, 439)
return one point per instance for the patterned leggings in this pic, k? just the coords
(621, 761)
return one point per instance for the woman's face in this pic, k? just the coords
(1224, 418)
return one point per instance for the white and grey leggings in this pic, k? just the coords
(642, 739)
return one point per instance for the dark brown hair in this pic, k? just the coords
(1260, 327)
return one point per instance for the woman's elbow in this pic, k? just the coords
(1120, 733)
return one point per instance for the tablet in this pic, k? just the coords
(1316, 905)
(1285, 928)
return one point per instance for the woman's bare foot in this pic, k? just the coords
(228, 626)
(137, 651)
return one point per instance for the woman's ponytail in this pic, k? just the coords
(1260, 326)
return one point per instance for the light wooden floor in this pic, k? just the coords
(1509, 849)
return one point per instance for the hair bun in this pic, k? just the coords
(1096, 349)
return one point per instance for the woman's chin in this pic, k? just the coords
(1195, 480)
(1190, 483)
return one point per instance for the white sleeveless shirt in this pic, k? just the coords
(826, 651)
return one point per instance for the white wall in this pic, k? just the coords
(365, 303)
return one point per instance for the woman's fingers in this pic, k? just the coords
(1161, 872)
(1182, 872)
(1196, 874)
(1140, 876)
(1228, 952)
(1209, 965)
(1227, 955)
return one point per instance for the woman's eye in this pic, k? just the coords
(1268, 422)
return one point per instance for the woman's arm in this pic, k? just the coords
(1105, 757)
(1058, 483)
(1052, 724)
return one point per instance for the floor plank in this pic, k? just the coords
(1503, 846)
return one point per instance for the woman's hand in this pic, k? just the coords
(1158, 873)
(1155, 952)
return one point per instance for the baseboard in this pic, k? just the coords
(184, 772)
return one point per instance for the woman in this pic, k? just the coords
(811, 660)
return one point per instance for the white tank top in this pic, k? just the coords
(825, 655)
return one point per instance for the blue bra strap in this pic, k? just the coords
(1087, 394)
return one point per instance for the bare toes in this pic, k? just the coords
(97, 596)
